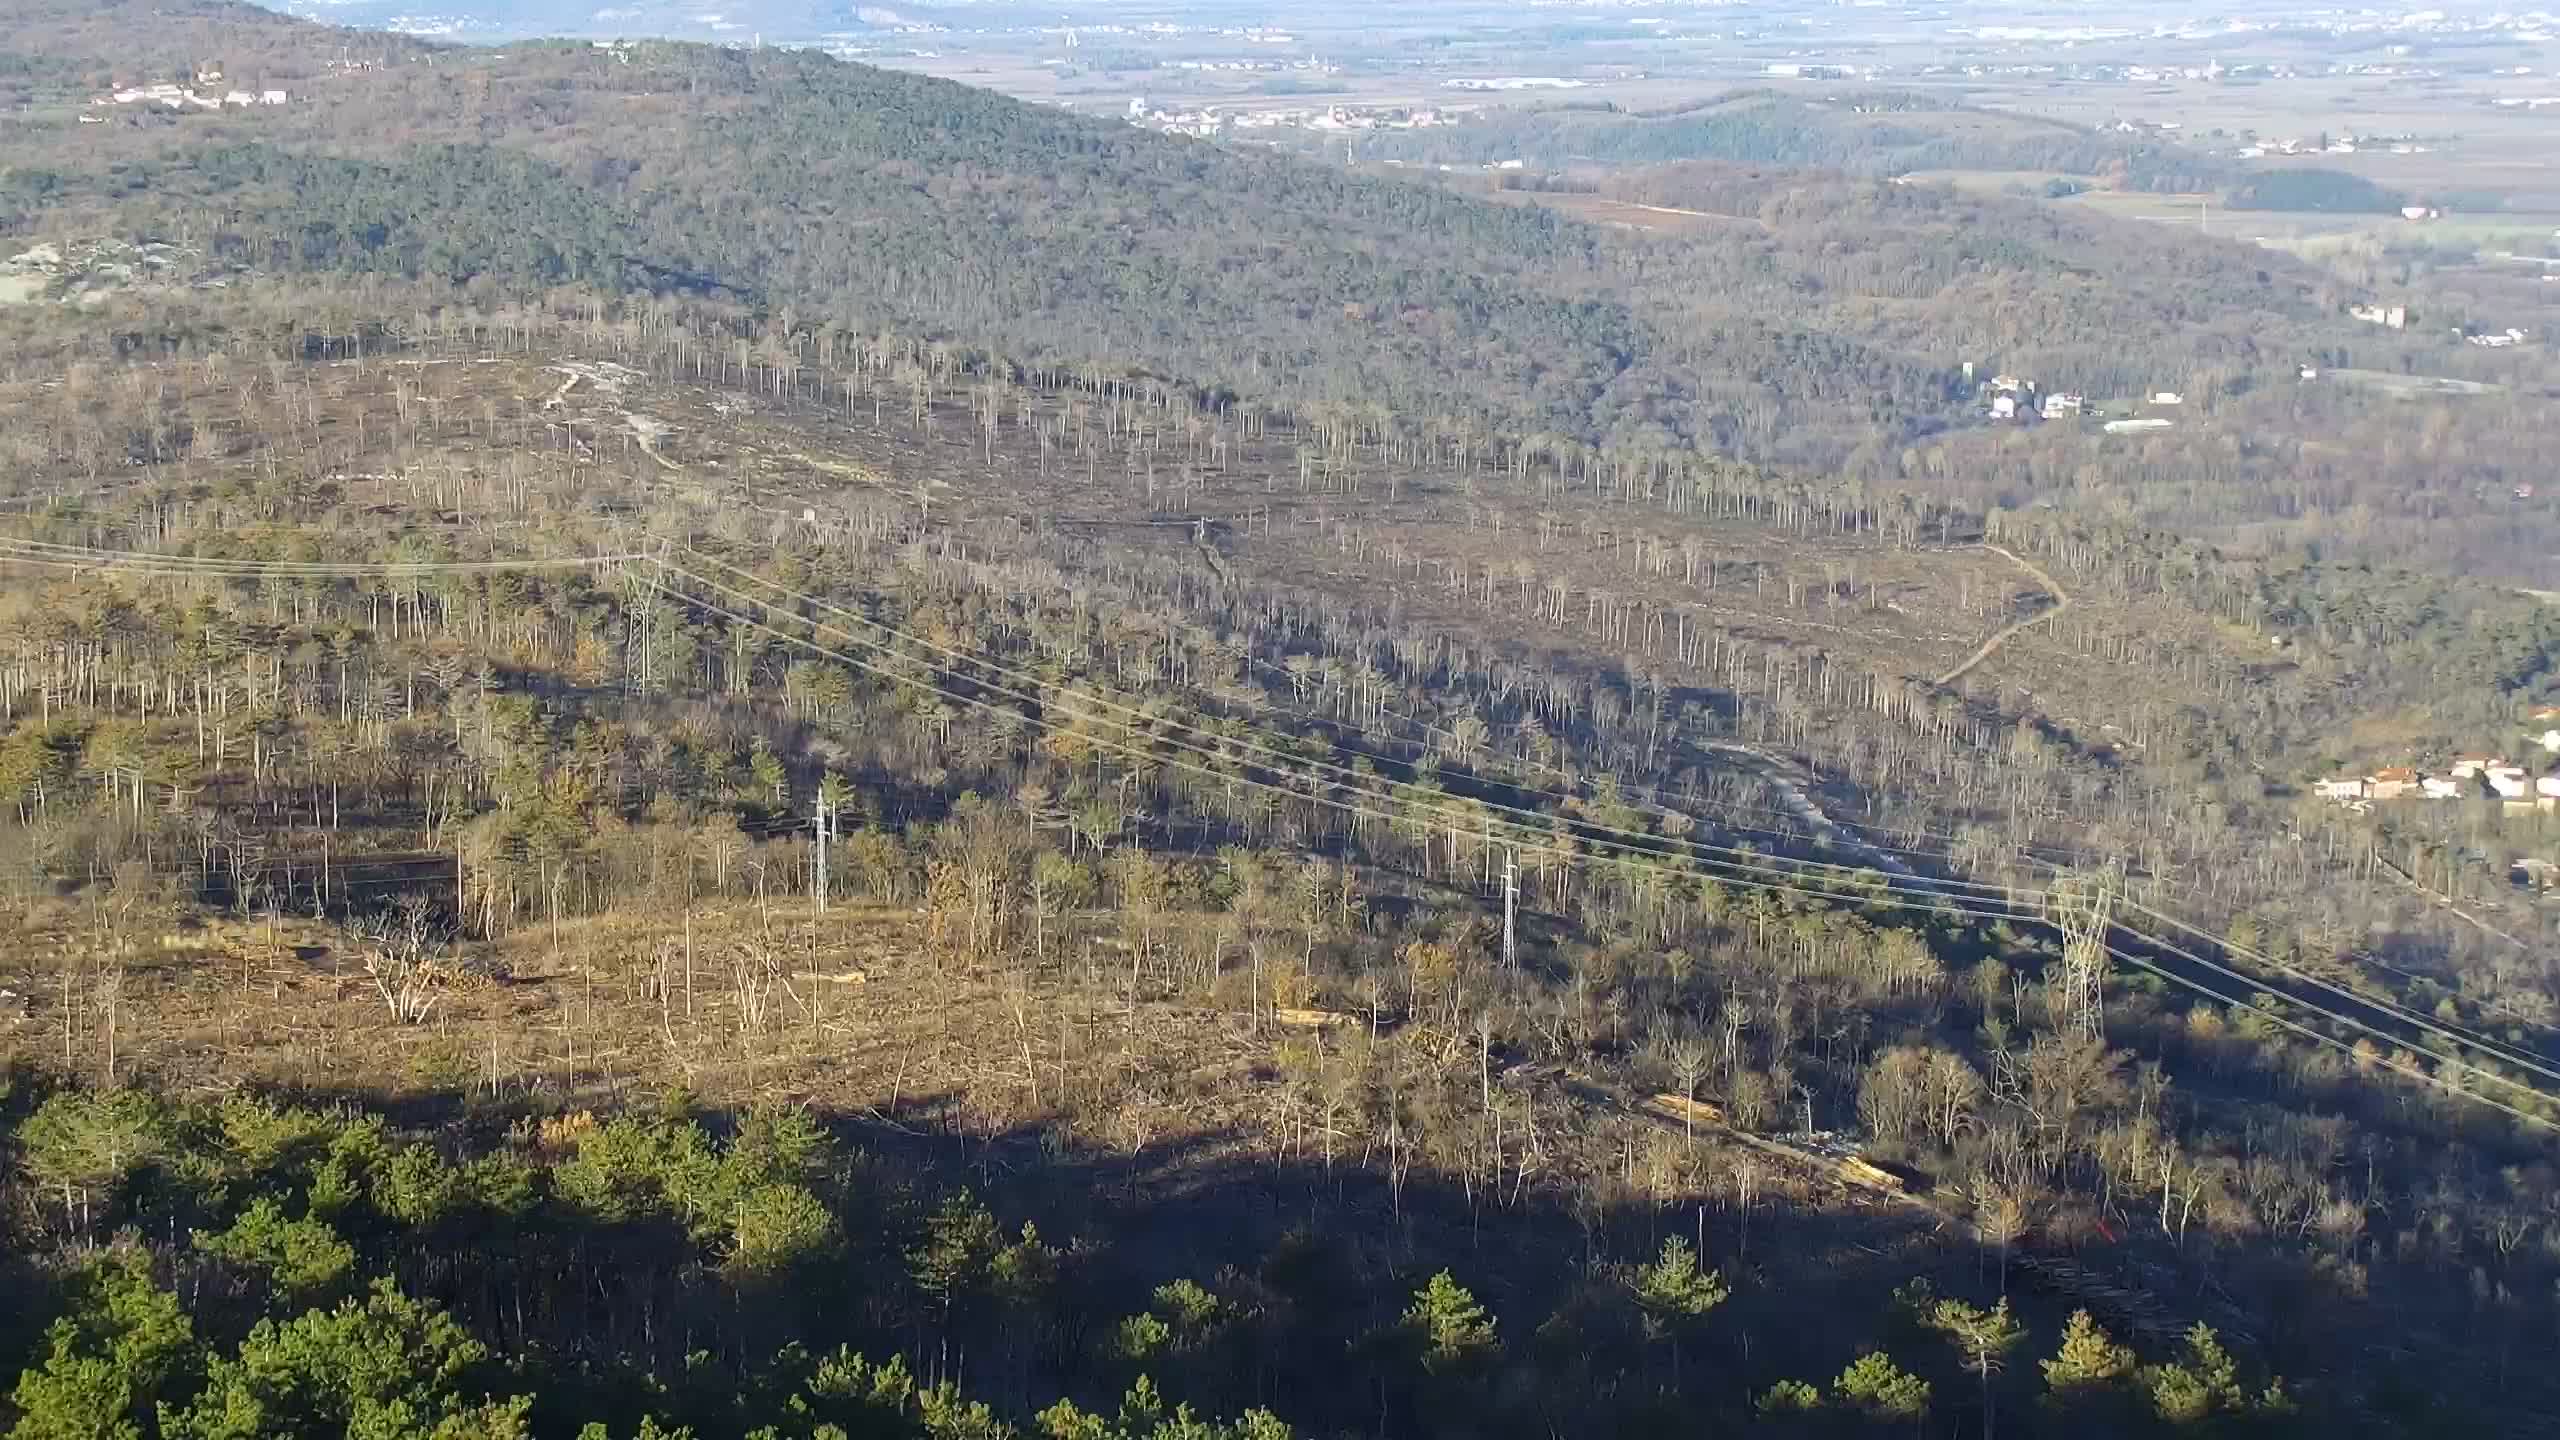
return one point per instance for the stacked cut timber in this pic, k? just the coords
(1873, 1177)
(2136, 1311)
(1681, 1110)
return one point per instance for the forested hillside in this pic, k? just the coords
(675, 1274)
(1829, 333)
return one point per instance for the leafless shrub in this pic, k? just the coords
(402, 956)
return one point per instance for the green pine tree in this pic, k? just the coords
(123, 1344)
(960, 1244)
(1981, 1337)
(2205, 1381)
(2089, 1362)
(1874, 1384)
(1674, 1294)
(385, 1365)
(1789, 1397)
(304, 1259)
(1451, 1325)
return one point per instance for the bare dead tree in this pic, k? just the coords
(401, 957)
(756, 970)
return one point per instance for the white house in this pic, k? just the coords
(2437, 787)
(270, 97)
(2391, 783)
(2508, 780)
(2346, 787)
(2542, 726)
(2547, 785)
(2167, 397)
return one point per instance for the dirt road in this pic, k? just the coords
(2061, 602)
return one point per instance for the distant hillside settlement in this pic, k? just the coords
(201, 95)
(2467, 777)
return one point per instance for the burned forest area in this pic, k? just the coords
(968, 802)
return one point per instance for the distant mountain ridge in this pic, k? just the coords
(875, 200)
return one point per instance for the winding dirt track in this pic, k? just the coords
(2061, 602)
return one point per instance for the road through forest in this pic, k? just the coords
(2061, 602)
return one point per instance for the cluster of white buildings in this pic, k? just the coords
(1515, 82)
(1252, 67)
(2006, 397)
(2009, 404)
(1166, 30)
(2340, 145)
(2468, 777)
(1212, 121)
(181, 97)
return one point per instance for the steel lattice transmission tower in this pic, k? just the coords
(2083, 907)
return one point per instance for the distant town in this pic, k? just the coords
(207, 92)
(1210, 122)
(2464, 777)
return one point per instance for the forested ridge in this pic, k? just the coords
(882, 199)
(1824, 326)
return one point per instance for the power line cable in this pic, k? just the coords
(1872, 880)
(1864, 890)
(2450, 1034)
(2437, 1081)
(1749, 863)
(83, 557)
(2350, 1021)
(1354, 778)
(1646, 839)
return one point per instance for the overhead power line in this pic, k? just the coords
(1862, 887)
(2539, 1122)
(1157, 725)
(2461, 1035)
(2534, 1065)
(82, 557)
(1879, 888)
(1583, 843)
